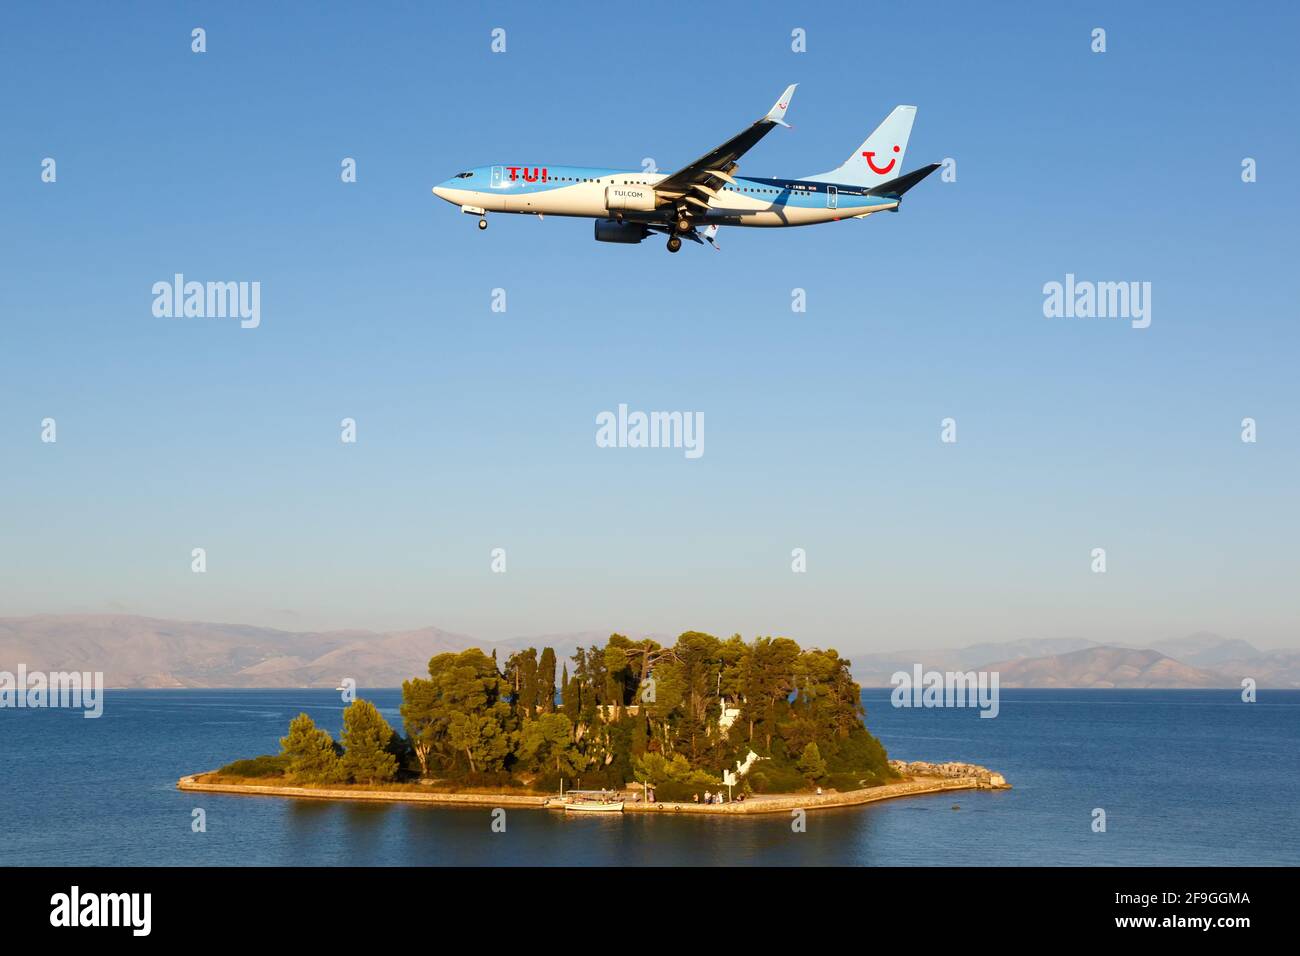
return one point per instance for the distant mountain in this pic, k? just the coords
(1272, 669)
(135, 651)
(1235, 659)
(151, 652)
(980, 655)
(1105, 667)
(1199, 660)
(874, 670)
(1205, 650)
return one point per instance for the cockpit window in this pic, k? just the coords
(463, 175)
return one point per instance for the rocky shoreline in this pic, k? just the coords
(989, 779)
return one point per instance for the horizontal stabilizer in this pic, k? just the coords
(896, 187)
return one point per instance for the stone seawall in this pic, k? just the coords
(784, 803)
(760, 803)
(195, 783)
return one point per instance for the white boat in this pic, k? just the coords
(592, 801)
(588, 806)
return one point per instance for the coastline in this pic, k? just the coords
(914, 785)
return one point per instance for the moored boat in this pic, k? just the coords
(612, 806)
(592, 801)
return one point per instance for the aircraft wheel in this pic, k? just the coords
(482, 223)
(674, 244)
(683, 224)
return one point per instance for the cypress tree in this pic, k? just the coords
(546, 681)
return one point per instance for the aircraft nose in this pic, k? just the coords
(441, 191)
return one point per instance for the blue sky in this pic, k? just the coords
(476, 429)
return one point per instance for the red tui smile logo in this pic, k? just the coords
(881, 170)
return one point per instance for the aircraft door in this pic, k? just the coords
(832, 197)
(498, 176)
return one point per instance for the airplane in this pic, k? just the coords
(629, 205)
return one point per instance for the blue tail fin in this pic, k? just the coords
(880, 158)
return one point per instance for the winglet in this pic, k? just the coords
(777, 113)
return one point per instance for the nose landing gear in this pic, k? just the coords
(482, 223)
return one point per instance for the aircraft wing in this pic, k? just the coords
(714, 168)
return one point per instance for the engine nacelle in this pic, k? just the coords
(630, 198)
(611, 230)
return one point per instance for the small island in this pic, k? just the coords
(704, 725)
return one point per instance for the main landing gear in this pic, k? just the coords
(683, 224)
(482, 223)
(674, 243)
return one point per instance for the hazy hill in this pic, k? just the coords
(1105, 667)
(135, 651)
(1206, 650)
(874, 670)
(1271, 669)
(1199, 660)
(151, 652)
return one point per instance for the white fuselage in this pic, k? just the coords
(573, 191)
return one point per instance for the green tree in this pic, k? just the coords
(420, 719)
(643, 656)
(461, 716)
(573, 697)
(700, 666)
(367, 740)
(734, 654)
(622, 670)
(766, 685)
(811, 764)
(521, 672)
(546, 681)
(310, 751)
(566, 693)
(597, 683)
(669, 692)
(801, 709)
(483, 739)
(658, 769)
(547, 744)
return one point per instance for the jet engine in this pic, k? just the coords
(630, 198)
(611, 230)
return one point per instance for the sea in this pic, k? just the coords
(1177, 777)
